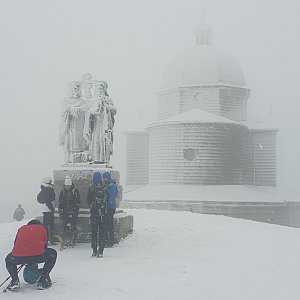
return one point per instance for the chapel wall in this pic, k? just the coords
(206, 98)
(260, 158)
(218, 154)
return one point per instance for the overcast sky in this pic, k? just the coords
(46, 44)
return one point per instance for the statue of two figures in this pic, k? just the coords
(87, 122)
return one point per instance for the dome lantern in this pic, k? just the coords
(203, 32)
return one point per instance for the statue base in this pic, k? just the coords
(81, 175)
(123, 225)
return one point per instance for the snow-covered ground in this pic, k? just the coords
(177, 255)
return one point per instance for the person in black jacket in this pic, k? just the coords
(97, 201)
(45, 197)
(69, 203)
(19, 213)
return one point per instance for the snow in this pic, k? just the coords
(177, 255)
(263, 123)
(86, 167)
(194, 115)
(199, 193)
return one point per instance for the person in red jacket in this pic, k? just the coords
(30, 247)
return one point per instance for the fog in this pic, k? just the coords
(46, 44)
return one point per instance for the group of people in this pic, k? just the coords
(31, 245)
(69, 203)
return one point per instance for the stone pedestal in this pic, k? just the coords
(81, 175)
(123, 225)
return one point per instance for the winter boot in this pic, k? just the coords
(44, 282)
(14, 284)
(100, 252)
(94, 254)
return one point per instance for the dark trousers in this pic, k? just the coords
(48, 222)
(98, 228)
(49, 258)
(110, 225)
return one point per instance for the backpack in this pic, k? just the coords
(100, 197)
(113, 188)
(31, 273)
(40, 198)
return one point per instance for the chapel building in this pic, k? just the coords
(203, 135)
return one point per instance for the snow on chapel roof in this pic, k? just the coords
(195, 115)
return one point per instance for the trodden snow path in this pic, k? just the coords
(177, 255)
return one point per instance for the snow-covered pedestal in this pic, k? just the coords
(81, 175)
(123, 225)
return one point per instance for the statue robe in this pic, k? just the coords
(71, 131)
(98, 129)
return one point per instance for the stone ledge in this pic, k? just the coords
(123, 225)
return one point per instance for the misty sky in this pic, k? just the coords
(46, 44)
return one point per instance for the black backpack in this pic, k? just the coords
(100, 197)
(40, 198)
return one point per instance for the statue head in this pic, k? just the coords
(100, 89)
(86, 77)
(104, 86)
(74, 89)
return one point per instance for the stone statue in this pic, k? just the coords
(72, 125)
(99, 123)
(87, 121)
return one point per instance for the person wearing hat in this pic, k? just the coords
(46, 198)
(97, 201)
(30, 247)
(69, 204)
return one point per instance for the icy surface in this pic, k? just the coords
(195, 115)
(177, 255)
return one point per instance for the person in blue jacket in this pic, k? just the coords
(111, 207)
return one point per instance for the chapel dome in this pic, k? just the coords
(204, 64)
